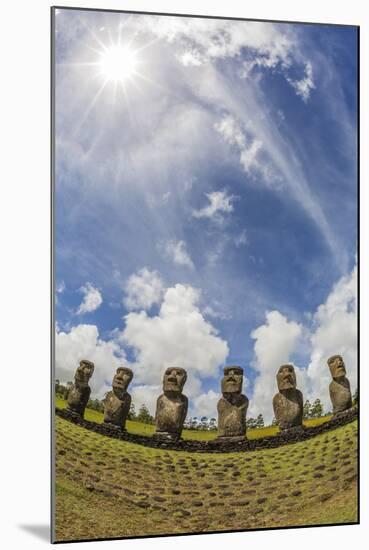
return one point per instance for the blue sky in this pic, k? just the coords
(206, 200)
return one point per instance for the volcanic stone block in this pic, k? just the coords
(80, 391)
(172, 405)
(339, 388)
(232, 406)
(118, 401)
(288, 402)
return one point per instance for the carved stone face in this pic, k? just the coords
(84, 373)
(286, 378)
(174, 379)
(337, 366)
(121, 380)
(232, 380)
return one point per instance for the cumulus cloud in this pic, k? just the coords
(91, 301)
(143, 289)
(275, 341)
(205, 404)
(178, 336)
(145, 394)
(83, 342)
(334, 332)
(176, 251)
(219, 203)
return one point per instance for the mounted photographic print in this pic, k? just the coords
(205, 237)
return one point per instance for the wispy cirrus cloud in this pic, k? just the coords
(176, 252)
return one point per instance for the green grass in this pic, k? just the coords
(147, 429)
(111, 488)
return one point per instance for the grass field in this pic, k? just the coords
(148, 429)
(111, 488)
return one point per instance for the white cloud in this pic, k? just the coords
(219, 203)
(145, 394)
(190, 57)
(304, 86)
(334, 332)
(275, 341)
(231, 132)
(205, 404)
(91, 301)
(249, 147)
(178, 336)
(60, 287)
(143, 289)
(248, 157)
(176, 251)
(83, 342)
(269, 47)
(241, 239)
(216, 311)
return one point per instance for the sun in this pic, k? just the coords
(118, 64)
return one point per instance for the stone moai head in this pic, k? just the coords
(121, 380)
(286, 378)
(337, 366)
(83, 373)
(232, 380)
(174, 380)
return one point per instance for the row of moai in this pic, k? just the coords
(172, 405)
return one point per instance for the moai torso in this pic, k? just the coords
(118, 400)
(232, 416)
(116, 409)
(78, 399)
(340, 394)
(339, 388)
(170, 414)
(80, 391)
(288, 408)
(172, 406)
(232, 406)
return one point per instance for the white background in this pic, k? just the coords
(25, 268)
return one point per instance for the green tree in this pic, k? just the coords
(251, 423)
(316, 409)
(260, 421)
(144, 415)
(212, 424)
(132, 412)
(204, 423)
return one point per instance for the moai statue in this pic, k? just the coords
(118, 401)
(80, 391)
(232, 406)
(339, 388)
(288, 403)
(171, 407)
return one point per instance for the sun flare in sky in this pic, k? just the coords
(118, 63)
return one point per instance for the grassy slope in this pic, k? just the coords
(147, 429)
(111, 488)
